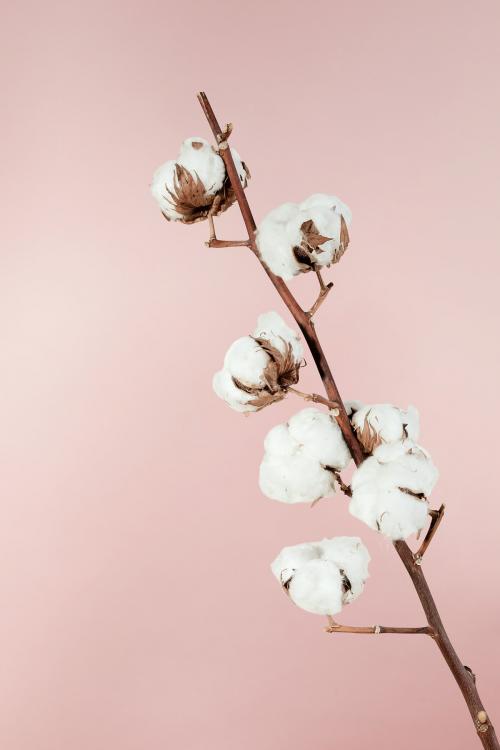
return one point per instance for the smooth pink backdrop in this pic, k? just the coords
(138, 611)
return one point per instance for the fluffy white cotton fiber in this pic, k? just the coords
(296, 237)
(258, 369)
(321, 577)
(299, 456)
(391, 497)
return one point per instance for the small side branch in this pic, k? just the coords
(436, 518)
(324, 289)
(346, 489)
(214, 242)
(335, 627)
(315, 398)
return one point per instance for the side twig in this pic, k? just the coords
(336, 627)
(314, 397)
(436, 518)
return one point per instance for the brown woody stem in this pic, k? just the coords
(336, 627)
(314, 397)
(323, 293)
(214, 242)
(346, 489)
(436, 518)
(484, 728)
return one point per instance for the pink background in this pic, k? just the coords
(138, 609)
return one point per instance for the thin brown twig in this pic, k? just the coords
(483, 726)
(346, 488)
(314, 397)
(323, 294)
(336, 627)
(214, 242)
(436, 518)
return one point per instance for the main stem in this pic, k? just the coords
(463, 676)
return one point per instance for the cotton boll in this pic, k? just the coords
(317, 587)
(327, 201)
(320, 437)
(413, 471)
(225, 387)
(391, 497)
(198, 156)
(322, 576)
(246, 361)
(327, 223)
(163, 181)
(272, 327)
(292, 558)
(402, 516)
(393, 513)
(294, 479)
(384, 423)
(352, 558)
(274, 245)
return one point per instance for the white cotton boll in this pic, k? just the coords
(393, 513)
(327, 201)
(163, 180)
(273, 243)
(294, 479)
(246, 361)
(351, 556)
(376, 424)
(402, 515)
(317, 587)
(272, 327)
(320, 437)
(384, 419)
(292, 558)
(391, 497)
(414, 471)
(198, 156)
(225, 388)
(327, 223)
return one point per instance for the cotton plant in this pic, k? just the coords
(394, 476)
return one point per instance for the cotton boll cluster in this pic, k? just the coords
(300, 457)
(296, 237)
(321, 577)
(188, 187)
(391, 495)
(258, 369)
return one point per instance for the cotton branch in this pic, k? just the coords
(484, 728)
(335, 627)
(324, 289)
(436, 518)
(315, 398)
